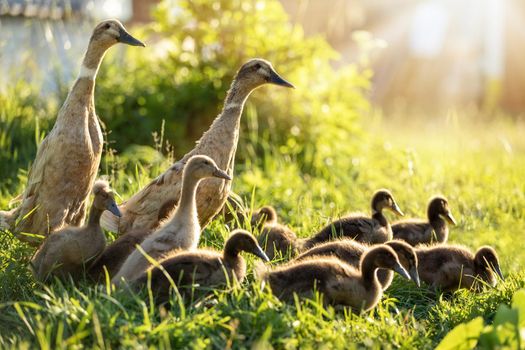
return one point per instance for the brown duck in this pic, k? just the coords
(435, 230)
(351, 252)
(375, 229)
(450, 267)
(219, 143)
(340, 283)
(274, 237)
(68, 251)
(67, 160)
(203, 268)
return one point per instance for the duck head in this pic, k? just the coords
(266, 214)
(407, 258)
(111, 32)
(438, 207)
(200, 167)
(382, 256)
(105, 198)
(486, 260)
(243, 241)
(383, 199)
(257, 72)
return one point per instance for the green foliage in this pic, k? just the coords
(194, 51)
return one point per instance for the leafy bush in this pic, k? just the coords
(194, 51)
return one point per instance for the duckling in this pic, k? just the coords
(219, 143)
(203, 267)
(67, 160)
(66, 252)
(417, 231)
(274, 237)
(375, 229)
(351, 252)
(183, 230)
(450, 267)
(340, 283)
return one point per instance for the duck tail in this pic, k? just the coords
(109, 221)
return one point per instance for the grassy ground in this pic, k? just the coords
(479, 168)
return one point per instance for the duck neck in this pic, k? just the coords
(187, 206)
(94, 217)
(378, 215)
(231, 254)
(439, 225)
(368, 272)
(92, 60)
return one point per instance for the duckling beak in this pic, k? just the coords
(261, 254)
(400, 270)
(414, 276)
(396, 209)
(113, 208)
(498, 271)
(450, 219)
(277, 80)
(221, 174)
(126, 38)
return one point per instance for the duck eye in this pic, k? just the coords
(107, 26)
(257, 66)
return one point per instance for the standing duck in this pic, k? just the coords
(274, 237)
(340, 283)
(67, 160)
(219, 143)
(416, 231)
(66, 252)
(351, 252)
(203, 267)
(373, 230)
(450, 267)
(182, 231)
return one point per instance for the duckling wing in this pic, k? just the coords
(413, 231)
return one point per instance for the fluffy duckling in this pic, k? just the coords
(183, 230)
(351, 252)
(67, 251)
(452, 267)
(219, 143)
(416, 231)
(203, 267)
(374, 230)
(339, 282)
(274, 237)
(67, 160)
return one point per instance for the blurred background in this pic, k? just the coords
(353, 61)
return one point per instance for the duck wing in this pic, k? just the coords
(413, 231)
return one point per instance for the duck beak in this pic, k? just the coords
(261, 254)
(498, 271)
(400, 270)
(126, 38)
(450, 219)
(221, 174)
(113, 208)
(396, 209)
(414, 276)
(277, 80)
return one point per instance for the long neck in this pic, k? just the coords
(223, 134)
(368, 272)
(378, 215)
(440, 228)
(94, 217)
(187, 206)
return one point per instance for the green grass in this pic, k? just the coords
(479, 168)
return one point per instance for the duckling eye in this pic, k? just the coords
(107, 26)
(257, 66)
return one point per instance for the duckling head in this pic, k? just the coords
(266, 214)
(407, 258)
(486, 259)
(438, 206)
(242, 240)
(257, 72)
(200, 167)
(382, 256)
(105, 198)
(383, 199)
(111, 32)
